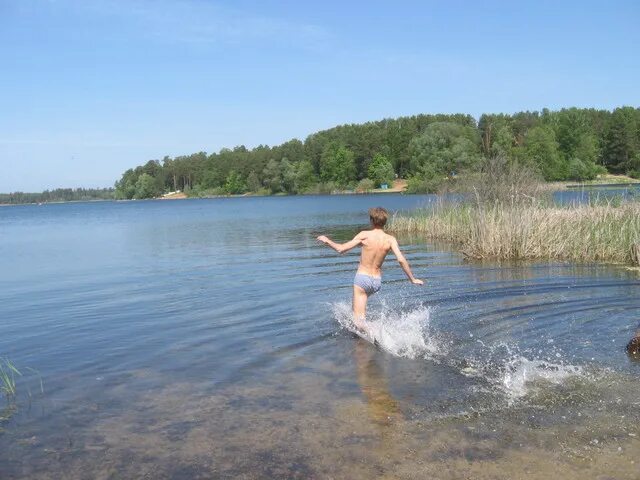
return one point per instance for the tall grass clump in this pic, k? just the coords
(502, 181)
(505, 215)
(8, 374)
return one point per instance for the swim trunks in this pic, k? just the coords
(369, 284)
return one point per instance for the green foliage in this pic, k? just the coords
(542, 150)
(210, 179)
(337, 165)
(199, 192)
(59, 195)
(381, 171)
(426, 149)
(126, 186)
(446, 148)
(622, 139)
(272, 176)
(8, 373)
(234, 184)
(305, 177)
(287, 177)
(145, 187)
(571, 127)
(322, 188)
(365, 185)
(497, 134)
(8, 387)
(428, 179)
(587, 149)
(634, 164)
(253, 182)
(503, 141)
(579, 170)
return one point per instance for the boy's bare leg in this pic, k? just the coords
(359, 307)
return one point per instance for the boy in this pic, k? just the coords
(375, 246)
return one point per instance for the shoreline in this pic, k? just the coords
(241, 195)
(608, 181)
(184, 196)
(56, 202)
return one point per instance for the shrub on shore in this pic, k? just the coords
(500, 180)
(365, 185)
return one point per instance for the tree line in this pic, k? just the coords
(58, 195)
(568, 144)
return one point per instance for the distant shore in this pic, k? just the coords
(603, 181)
(399, 186)
(57, 202)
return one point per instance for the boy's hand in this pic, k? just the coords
(323, 239)
(417, 281)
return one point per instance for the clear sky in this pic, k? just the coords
(89, 88)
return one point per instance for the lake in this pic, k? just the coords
(206, 339)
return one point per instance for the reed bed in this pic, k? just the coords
(583, 233)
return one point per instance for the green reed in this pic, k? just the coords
(8, 374)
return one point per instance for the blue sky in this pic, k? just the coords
(89, 88)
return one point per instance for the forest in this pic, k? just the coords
(569, 144)
(58, 195)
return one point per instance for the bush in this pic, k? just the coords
(337, 165)
(380, 170)
(579, 170)
(427, 180)
(321, 188)
(501, 180)
(234, 183)
(365, 185)
(416, 184)
(145, 187)
(206, 192)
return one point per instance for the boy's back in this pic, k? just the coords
(376, 244)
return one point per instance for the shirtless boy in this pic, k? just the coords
(375, 246)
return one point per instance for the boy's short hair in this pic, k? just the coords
(378, 216)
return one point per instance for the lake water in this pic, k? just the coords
(206, 339)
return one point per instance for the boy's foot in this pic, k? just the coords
(359, 323)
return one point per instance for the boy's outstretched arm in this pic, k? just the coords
(403, 263)
(341, 247)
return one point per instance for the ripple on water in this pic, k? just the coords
(210, 339)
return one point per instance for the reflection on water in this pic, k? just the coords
(383, 409)
(209, 339)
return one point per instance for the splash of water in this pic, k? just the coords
(521, 373)
(408, 333)
(401, 333)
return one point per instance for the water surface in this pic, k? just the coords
(206, 339)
